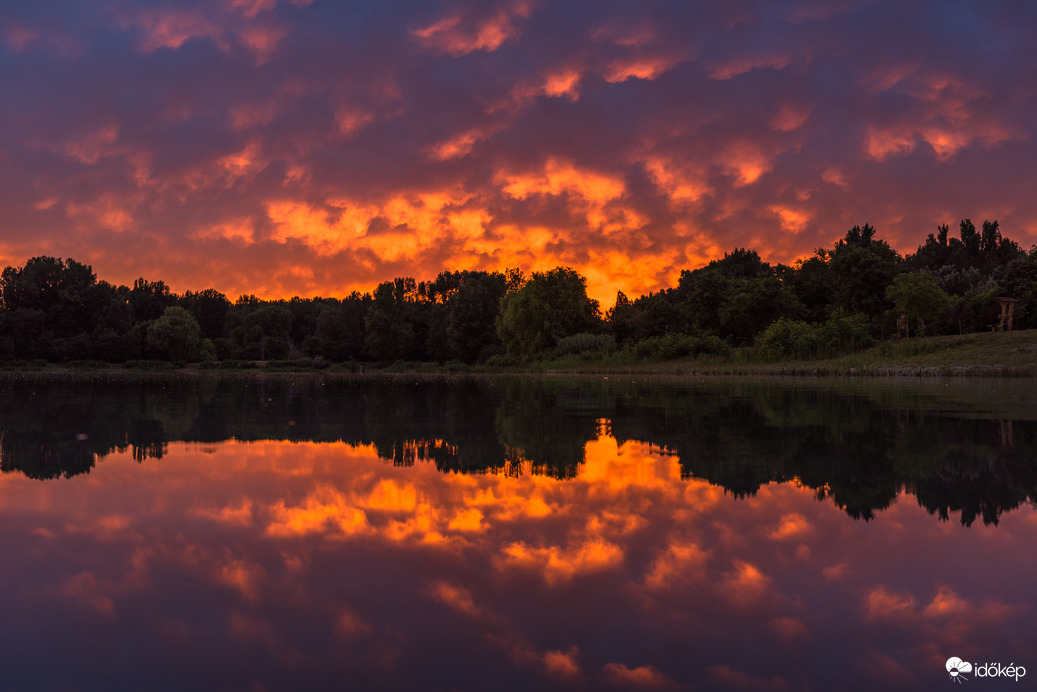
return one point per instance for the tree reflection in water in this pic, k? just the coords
(859, 449)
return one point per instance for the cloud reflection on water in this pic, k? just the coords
(306, 562)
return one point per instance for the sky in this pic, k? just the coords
(313, 148)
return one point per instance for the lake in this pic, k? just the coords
(291, 532)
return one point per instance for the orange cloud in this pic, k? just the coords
(682, 184)
(746, 584)
(326, 509)
(631, 464)
(640, 677)
(563, 664)
(563, 564)
(648, 68)
(558, 177)
(470, 519)
(557, 83)
(94, 146)
(834, 176)
(242, 164)
(792, 220)
(739, 66)
(734, 679)
(459, 145)
(457, 598)
(348, 624)
(682, 562)
(747, 161)
(171, 27)
(239, 231)
(791, 525)
(565, 82)
(880, 603)
(107, 212)
(242, 575)
(881, 144)
(226, 23)
(262, 40)
(790, 628)
(251, 8)
(790, 118)
(390, 496)
(458, 35)
(623, 34)
(239, 516)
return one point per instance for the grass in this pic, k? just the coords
(1001, 354)
(989, 354)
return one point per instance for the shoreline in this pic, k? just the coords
(981, 355)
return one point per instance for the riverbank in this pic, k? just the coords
(1001, 354)
(994, 354)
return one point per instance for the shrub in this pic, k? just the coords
(585, 343)
(152, 365)
(297, 364)
(674, 345)
(87, 365)
(788, 338)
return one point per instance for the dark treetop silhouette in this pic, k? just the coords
(841, 299)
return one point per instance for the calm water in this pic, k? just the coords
(496, 534)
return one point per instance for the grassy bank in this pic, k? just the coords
(1007, 354)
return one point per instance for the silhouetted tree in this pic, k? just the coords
(210, 309)
(919, 296)
(175, 336)
(864, 266)
(549, 306)
(148, 299)
(390, 332)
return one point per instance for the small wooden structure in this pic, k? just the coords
(1007, 307)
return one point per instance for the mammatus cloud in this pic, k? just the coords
(283, 148)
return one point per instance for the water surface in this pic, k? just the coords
(513, 533)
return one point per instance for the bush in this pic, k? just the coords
(21, 364)
(671, 346)
(87, 365)
(845, 334)
(153, 365)
(231, 364)
(788, 338)
(585, 343)
(297, 364)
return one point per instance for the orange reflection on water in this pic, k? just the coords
(278, 538)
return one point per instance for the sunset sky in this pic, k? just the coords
(314, 148)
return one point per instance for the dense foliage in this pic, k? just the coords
(839, 299)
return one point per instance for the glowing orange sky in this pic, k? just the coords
(314, 148)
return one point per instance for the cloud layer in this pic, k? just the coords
(314, 148)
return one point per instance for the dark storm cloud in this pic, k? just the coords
(315, 147)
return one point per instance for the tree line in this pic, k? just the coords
(840, 299)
